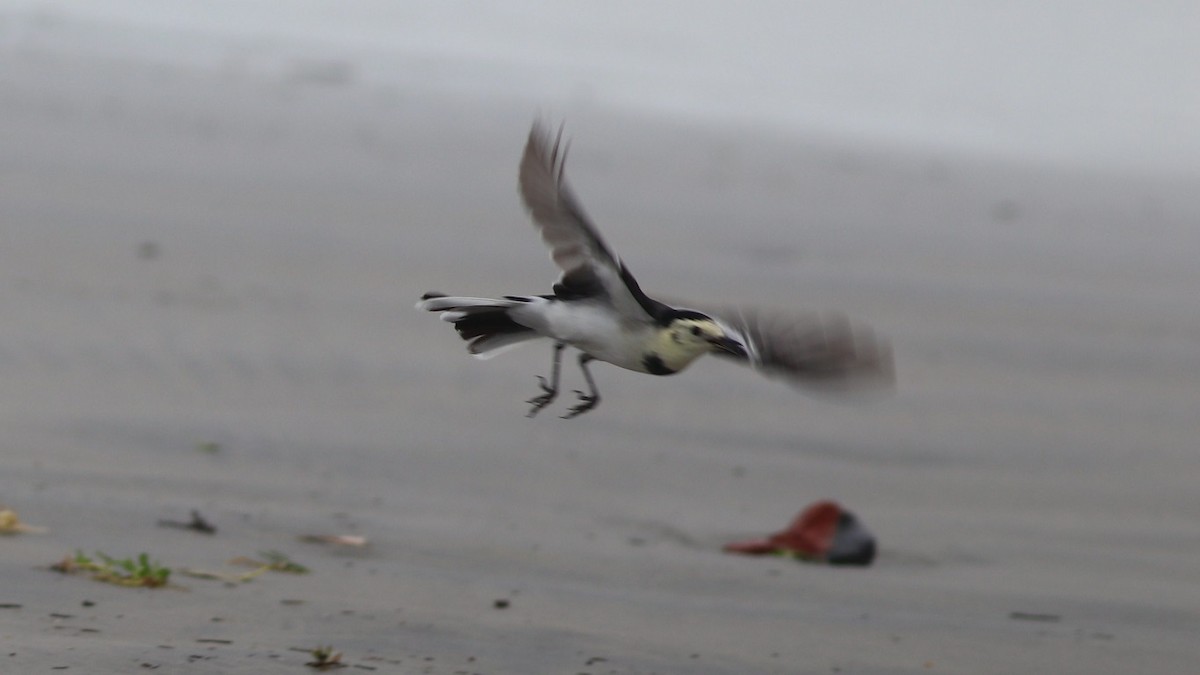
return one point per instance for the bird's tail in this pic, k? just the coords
(484, 322)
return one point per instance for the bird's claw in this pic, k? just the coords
(586, 403)
(542, 400)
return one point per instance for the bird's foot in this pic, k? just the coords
(542, 400)
(586, 403)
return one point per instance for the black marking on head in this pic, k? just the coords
(432, 294)
(672, 314)
(655, 366)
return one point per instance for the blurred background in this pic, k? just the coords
(1083, 84)
(215, 217)
(1003, 187)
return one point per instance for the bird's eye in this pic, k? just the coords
(696, 330)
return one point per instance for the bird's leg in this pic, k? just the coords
(549, 389)
(589, 400)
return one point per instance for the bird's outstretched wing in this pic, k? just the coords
(589, 266)
(820, 351)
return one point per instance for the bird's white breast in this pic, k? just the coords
(591, 327)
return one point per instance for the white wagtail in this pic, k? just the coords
(598, 308)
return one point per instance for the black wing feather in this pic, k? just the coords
(589, 266)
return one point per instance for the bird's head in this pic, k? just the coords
(691, 334)
(703, 334)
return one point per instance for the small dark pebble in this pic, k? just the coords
(1034, 616)
(501, 604)
(147, 250)
(88, 603)
(9, 605)
(196, 524)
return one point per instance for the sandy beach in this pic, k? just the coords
(207, 278)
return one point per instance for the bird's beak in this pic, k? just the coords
(728, 345)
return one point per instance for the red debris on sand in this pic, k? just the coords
(823, 532)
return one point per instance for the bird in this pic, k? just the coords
(598, 308)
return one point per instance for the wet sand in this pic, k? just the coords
(207, 287)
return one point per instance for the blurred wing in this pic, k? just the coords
(589, 267)
(822, 351)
